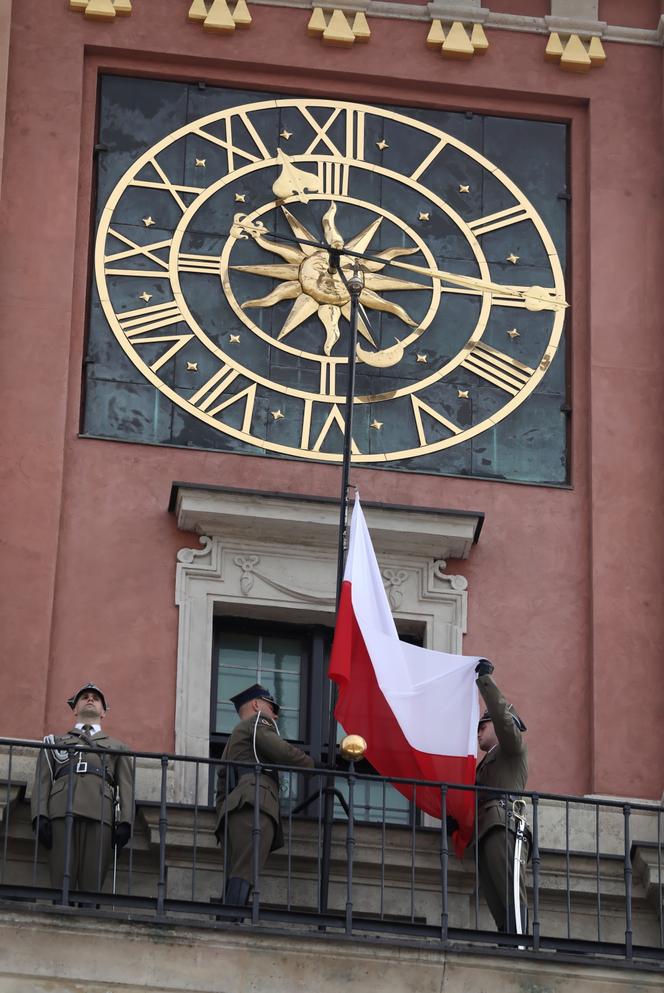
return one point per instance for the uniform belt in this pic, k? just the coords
(65, 770)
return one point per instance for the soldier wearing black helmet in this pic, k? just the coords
(101, 795)
(499, 832)
(254, 740)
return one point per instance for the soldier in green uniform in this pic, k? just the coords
(255, 739)
(505, 767)
(101, 782)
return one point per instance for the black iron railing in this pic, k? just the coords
(594, 875)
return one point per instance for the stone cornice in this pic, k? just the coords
(435, 534)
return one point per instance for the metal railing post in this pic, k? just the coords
(69, 826)
(256, 847)
(536, 873)
(163, 823)
(444, 863)
(7, 814)
(350, 847)
(628, 884)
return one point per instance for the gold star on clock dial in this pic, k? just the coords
(422, 357)
(382, 145)
(514, 333)
(234, 339)
(145, 296)
(464, 189)
(277, 414)
(285, 134)
(192, 366)
(462, 394)
(424, 216)
(513, 258)
(376, 425)
(240, 197)
(148, 221)
(200, 163)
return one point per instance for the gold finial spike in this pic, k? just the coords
(353, 747)
(457, 43)
(338, 31)
(478, 39)
(198, 11)
(241, 14)
(100, 10)
(122, 7)
(596, 52)
(361, 28)
(554, 48)
(436, 35)
(575, 57)
(317, 23)
(78, 4)
(219, 18)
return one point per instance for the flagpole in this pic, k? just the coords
(354, 285)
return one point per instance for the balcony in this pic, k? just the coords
(396, 893)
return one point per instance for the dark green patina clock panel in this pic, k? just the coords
(528, 444)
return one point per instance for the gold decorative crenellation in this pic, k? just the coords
(457, 40)
(333, 27)
(217, 16)
(574, 53)
(101, 10)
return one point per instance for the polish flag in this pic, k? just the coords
(418, 709)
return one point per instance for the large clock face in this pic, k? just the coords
(213, 290)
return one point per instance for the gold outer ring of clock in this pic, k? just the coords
(357, 112)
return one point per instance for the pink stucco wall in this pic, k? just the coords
(564, 584)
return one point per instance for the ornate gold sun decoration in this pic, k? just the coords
(308, 281)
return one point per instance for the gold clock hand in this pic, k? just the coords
(292, 180)
(534, 297)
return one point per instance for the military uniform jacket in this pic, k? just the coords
(93, 795)
(270, 747)
(505, 766)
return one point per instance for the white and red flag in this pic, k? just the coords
(418, 709)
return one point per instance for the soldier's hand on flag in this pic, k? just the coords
(484, 667)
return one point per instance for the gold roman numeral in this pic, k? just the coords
(333, 177)
(204, 397)
(165, 184)
(328, 377)
(139, 325)
(355, 134)
(199, 263)
(248, 394)
(135, 250)
(497, 368)
(419, 406)
(501, 219)
(234, 150)
(428, 159)
(321, 133)
(334, 417)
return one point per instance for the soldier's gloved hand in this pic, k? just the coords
(484, 667)
(121, 834)
(44, 829)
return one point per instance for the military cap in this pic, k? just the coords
(255, 692)
(486, 716)
(88, 686)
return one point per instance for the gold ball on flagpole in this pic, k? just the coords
(353, 747)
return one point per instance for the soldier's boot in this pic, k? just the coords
(237, 894)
